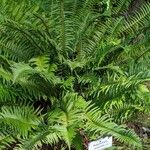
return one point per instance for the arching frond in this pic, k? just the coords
(102, 125)
(21, 119)
(138, 20)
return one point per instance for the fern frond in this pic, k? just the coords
(21, 119)
(137, 21)
(46, 135)
(123, 84)
(102, 125)
(20, 70)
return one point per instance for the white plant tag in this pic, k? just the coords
(100, 144)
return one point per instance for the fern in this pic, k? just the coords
(101, 125)
(81, 65)
(21, 119)
(138, 20)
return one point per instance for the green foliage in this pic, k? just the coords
(70, 66)
(22, 119)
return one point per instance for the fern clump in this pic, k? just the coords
(72, 71)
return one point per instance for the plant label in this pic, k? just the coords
(100, 144)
